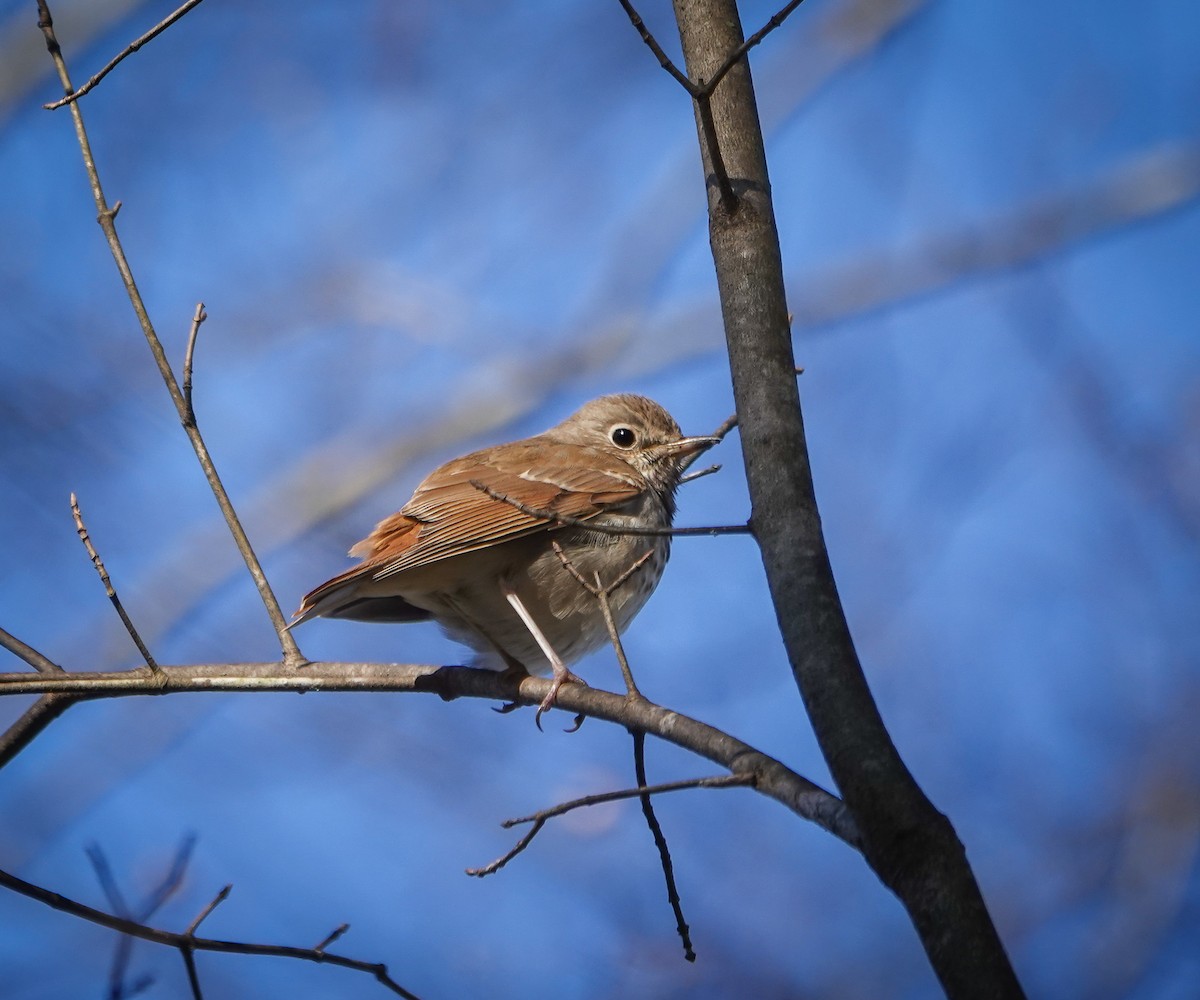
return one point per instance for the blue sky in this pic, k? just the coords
(419, 228)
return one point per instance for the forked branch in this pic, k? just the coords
(107, 219)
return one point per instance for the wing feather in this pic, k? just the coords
(449, 516)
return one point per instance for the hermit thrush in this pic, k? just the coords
(474, 547)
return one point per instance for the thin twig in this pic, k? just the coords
(216, 901)
(189, 963)
(197, 318)
(701, 97)
(332, 936)
(504, 859)
(745, 780)
(716, 159)
(614, 636)
(106, 217)
(660, 841)
(129, 50)
(109, 589)
(693, 476)
(539, 819)
(652, 43)
(603, 527)
(186, 942)
(736, 56)
(167, 887)
(600, 592)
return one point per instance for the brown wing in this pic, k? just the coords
(448, 515)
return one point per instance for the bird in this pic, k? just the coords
(482, 547)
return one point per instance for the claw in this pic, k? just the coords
(552, 695)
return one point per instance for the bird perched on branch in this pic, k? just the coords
(474, 547)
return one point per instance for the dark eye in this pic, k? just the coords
(622, 436)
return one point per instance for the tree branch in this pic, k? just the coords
(771, 777)
(109, 589)
(660, 842)
(107, 219)
(538, 819)
(129, 50)
(187, 942)
(910, 845)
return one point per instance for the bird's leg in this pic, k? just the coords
(561, 673)
(514, 669)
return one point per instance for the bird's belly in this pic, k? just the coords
(478, 614)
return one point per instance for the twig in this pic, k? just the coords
(129, 50)
(599, 591)
(736, 56)
(716, 159)
(166, 888)
(614, 636)
(42, 712)
(216, 901)
(189, 964)
(660, 841)
(187, 942)
(539, 819)
(36, 718)
(40, 663)
(504, 859)
(605, 528)
(652, 43)
(693, 476)
(82, 531)
(197, 318)
(332, 936)
(721, 433)
(106, 217)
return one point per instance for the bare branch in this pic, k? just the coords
(166, 888)
(197, 318)
(107, 219)
(692, 476)
(29, 726)
(504, 859)
(599, 591)
(28, 654)
(109, 589)
(216, 901)
(332, 936)
(614, 636)
(771, 777)
(41, 713)
(660, 841)
(735, 57)
(187, 943)
(129, 50)
(539, 819)
(603, 527)
(652, 43)
(599, 798)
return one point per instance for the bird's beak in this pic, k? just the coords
(686, 446)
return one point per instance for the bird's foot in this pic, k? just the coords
(561, 677)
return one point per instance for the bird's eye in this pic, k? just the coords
(622, 436)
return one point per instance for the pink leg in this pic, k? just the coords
(561, 673)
